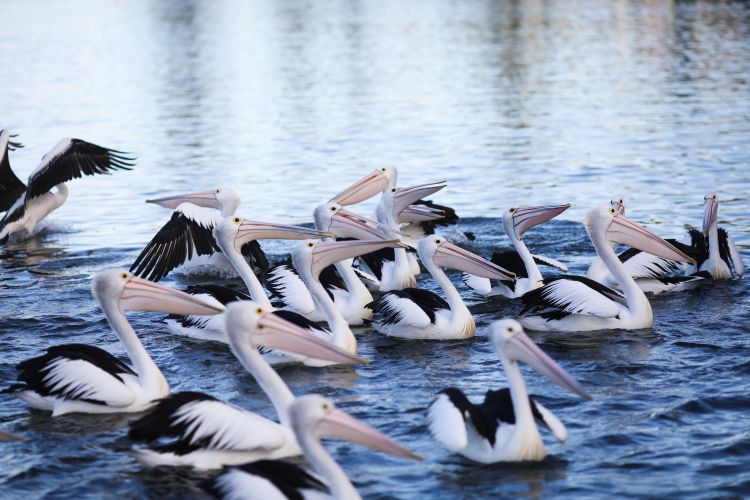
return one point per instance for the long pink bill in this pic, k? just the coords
(525, 218)
(143, 295)
(202, 199)
(345, 224)
(338, 424)
(253, 230)
(326, 253)
(417, 213)
(710, 212)
(364, 189)
(627, 232)
(455, 257)
(403, 197)
(278, 333)
(522, 348)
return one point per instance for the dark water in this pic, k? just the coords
(512, 103)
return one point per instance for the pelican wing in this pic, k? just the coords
(574, 295)
(11, 187)
(77, 372)
(285, 284)
(189, 232)
(74, 158)
(550, 420)
(266, 479)
(729, 252)
(410, 306)
(446, 419)
(644, 265)
(189, 421)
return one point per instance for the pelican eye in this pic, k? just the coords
(310, 245)
(218, 190)
(512, 210)
(714, 197)
(259, 311)
(612, 211)
(236, 220)
(437, 241)
(393, 190)
(124, 276)
(620, 201)
(326, 406)
(333, 209)
(510, 329)
(382, 169)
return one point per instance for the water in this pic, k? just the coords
(288, 102)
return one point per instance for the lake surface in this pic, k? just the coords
(512, 103)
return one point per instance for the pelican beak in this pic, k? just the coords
(202, 199)
(418, 213)
(143, 295)
(525, 218)
(403, 197)
(250, 230)
(455, 257)
(520, 347)
(278, 333)
(345, 224)
(710, 212)
(627, 232)
(365, 188)
(338, 424)
(329, 252)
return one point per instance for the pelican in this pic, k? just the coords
(502, 428)
(195, 429)
(226, 201)
(723, 256)
(85, 379)
(313, 418)
(414, 313)
(350, 295)
(652, 274)
(576, 303)
(516, 221)
(26, 205)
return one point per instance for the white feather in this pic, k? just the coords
(236, 484)
(88, 381)
(206, 217)
(552, 423)
(293, 291)
(576, 297)
(480, 285)
(736, 258)
(446, 424)
(408, 312)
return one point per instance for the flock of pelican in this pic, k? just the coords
(348, 270)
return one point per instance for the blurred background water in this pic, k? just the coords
(288, 102)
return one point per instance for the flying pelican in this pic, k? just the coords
(652, 274)
(420, 314)
(82, 378)
(313, 418)
(516, 221)
(502, 428)
(226, 201)
(723, 256)
(576, 303)
(26, 205)
(195, 429)
(349, 293)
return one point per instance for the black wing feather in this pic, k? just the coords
(78, 159)
(258, 260)
(426, 300)
(448, 213)
(537, 301)
(289, 478)
(11, 187)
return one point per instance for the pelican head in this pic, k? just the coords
(512, 344)
(516, 221)
(314, 415)
(236, 231)
(224, 199)
(249, 323)
(313, 256)
(710, 212)
(605, 221)
(368, 186)
(619, 204)
(333, 218)
(118, 289)
(435, 248)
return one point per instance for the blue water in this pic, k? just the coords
(287, 102)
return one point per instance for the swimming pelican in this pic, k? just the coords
(723, 256)
(502, 428)
(226, 201)
(652, 274)
(516, 221)
(82, 378)
(26, 205)
(420, 314)
(349, 293)
(195, 429)
(576, 303)
(313, 418)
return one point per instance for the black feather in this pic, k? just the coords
(539, 301)
(449, 216)
(426, 300)
(288, 478)
(11, 187)
(257, 257)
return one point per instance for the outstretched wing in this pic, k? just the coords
(11, 187)
(74, 158)
(574, 295)
(189, 421)
(189, 232)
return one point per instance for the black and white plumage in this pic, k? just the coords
(70, 159)
(502, 428)
(723, 259)
(265, 479)
(205, 327)
(565, 295)
(422, 218)
(187, 235)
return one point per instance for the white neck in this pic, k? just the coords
(335, 478)
(61, 195)
(526, 431)
(342, 334)
(357, 290)
(246, 273)
(460, 315)
(532, 270)
(713, 242)
(270, 381)
(597, 270)
(150, 377)
(638, 304)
